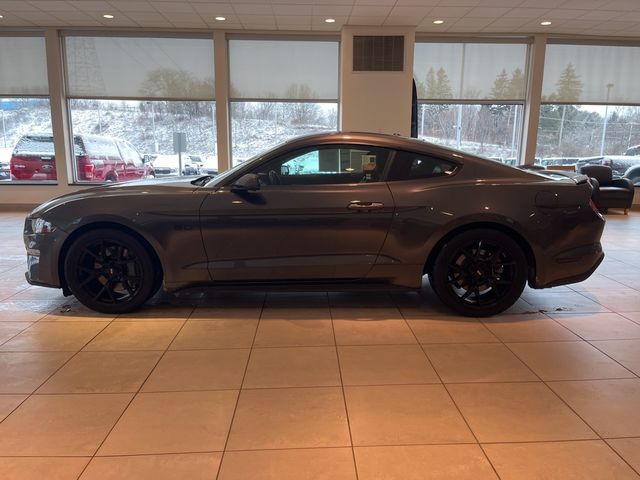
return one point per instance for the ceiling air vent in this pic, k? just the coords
(378, 53)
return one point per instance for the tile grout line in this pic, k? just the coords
(567, 403)
(344, 396)
(33, 392)
(244, 374)
(466, 422)
(135, 394)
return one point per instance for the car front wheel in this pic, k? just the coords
(479, 273)
(109, 271)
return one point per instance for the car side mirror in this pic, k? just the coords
(246, 183)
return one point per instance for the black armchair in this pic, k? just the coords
(609, 192)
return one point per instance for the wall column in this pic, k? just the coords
(532, 105)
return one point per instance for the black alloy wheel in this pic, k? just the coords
(479, 273)
(110, 271)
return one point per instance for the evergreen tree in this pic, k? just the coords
(500, 85)
(438, 85)
(517, 83)
(569, 85)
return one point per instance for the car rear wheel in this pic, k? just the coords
(110, 271)
(479, 273)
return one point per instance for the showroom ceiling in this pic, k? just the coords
(586, 17)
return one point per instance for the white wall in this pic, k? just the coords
(376, 101)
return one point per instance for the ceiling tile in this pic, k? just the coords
(185, 17)
(631, 16)
(526, 12)
(17, 6)
(584, 4)
(262, 20)
(627, 5)
(213, 9)
(471, 23)
(601, 15)
(410, 11)
(189, 25)
(508, 22)
(459, 3)
(615, 26)
(119, 21)
(15, 21)
(326, 27)
(449, 12)
(53, 5)
(293, 20)
(370, 11)
(253, 9)
(564, 14)
(487, 12)
(332, 10)
(500, 3)
(404, 21)
(416, 3)
(374, 21)
(91, 5)
(152, 19)
(173, 7)
(540, 3)
(374, 2)
(296, 28)
(138, 6)
(293, 9)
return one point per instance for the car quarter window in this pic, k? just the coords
(336, 164)
(411, 166)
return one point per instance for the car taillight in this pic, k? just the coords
(86, 167)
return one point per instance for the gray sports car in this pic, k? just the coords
(330, 212)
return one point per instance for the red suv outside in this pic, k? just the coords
(98, 159)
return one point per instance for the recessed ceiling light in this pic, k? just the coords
(545, 23)
(107, 15)
(438, 22)
(330, 20)
(221, 19)
(1, 16)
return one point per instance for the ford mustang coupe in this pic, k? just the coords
(330, 212)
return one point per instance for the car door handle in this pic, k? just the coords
(358, 205)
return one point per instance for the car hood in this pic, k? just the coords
(134, 188)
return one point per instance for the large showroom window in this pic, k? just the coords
(471, 96)
(25, 113)
(591, 103)
(140, 106)
(280, 89)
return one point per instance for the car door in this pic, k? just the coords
(133, 164)
(321, 213)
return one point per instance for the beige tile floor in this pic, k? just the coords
(323, 386)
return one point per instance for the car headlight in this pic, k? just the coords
(40, 225)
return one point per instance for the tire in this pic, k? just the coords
(479, 273)
(110, 271)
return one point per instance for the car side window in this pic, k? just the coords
(330, 165)
(130, 154)
(412, 166)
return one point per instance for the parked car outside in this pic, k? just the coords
(329, 212)
(98, 159)
(633, 174)
(166, 165)
(619, 163)
(169, 165)
(633, 151)
(210, 165)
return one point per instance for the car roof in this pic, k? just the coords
(381, 140)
